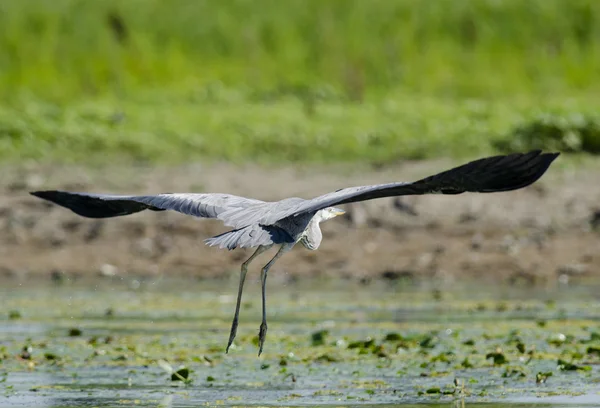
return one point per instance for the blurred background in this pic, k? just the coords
(299, 81)
(270, 98)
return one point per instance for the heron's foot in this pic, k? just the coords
(262, 334)
(232, 334)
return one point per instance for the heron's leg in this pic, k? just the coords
(262, 334)
(243, 272)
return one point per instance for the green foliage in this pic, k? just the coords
(498, 357)
(75, 332)
(569, 366)
(182, 375)
(296, 80)
(570, 133)
(14, 314)
(318, 338)
(65, 48)
(542, 377)
(514, 372)
(230, 128)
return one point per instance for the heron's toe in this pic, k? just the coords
(262, 334)
(232, 334)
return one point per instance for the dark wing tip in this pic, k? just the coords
(516, 171)
(46, 195)
(90, 205)
(490, 174)
(529, 171)
(549, 158)
(54, 196)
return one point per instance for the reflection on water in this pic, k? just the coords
(379, 345)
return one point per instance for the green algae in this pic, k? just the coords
(326, 344)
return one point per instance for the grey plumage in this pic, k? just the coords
(262, 224)
(250, 236)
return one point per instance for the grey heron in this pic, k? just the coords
(261, 225)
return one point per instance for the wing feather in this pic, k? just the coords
(105, 205)
(487, 175)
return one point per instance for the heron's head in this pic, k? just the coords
(330, 212)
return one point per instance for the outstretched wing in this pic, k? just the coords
(104, 206)
(488, 175)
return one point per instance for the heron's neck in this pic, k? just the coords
(312, 237)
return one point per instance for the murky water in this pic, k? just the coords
(112, 344)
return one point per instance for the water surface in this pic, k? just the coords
(111, 344)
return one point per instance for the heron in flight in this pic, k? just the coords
(261, 225)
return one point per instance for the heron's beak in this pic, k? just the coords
(338, 211)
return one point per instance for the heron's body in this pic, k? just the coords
(259, 224)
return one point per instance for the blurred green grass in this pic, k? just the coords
(294, 80)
